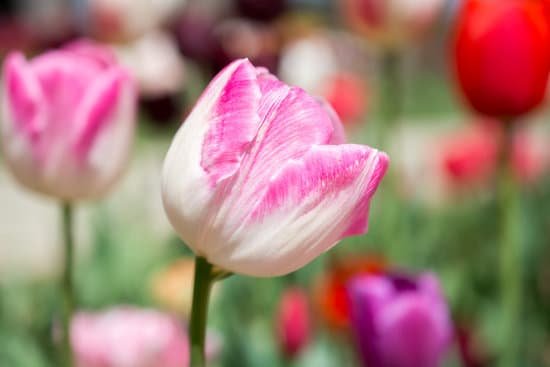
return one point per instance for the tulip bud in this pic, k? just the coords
(400, 322)
(128, 337)
(67, 120)
(502, 55)
(293, 323)
(256, 180)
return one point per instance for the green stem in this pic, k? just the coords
(199, 311)
(511, 272)
(67, 282)
(390, 96)
(391, 100)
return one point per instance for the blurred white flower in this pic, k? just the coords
(155, 62)
(307, 63)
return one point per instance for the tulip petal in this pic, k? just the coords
(209, 146)
(369, 295)
(306, 207)
(98, 107)
(413, 331)
(232, 118)
(338, 133)
(64, 78)
(291, 123)
(24, 104)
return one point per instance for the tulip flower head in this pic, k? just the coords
(128, 337)
(502, 55)
(400, 322)
(257, 179)
(293, 322)
(67, 120)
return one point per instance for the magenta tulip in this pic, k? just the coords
(400, 322)
(67, 120)
(257, 179)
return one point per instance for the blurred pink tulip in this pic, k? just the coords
(293, 322)
(347, 94)
(67, 120)
(470, 157)
(128, 337)
(258, 182)
(391, 23)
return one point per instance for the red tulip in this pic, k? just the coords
(502, 55)
(293, 322)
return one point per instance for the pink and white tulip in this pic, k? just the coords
(257, 179)
(128, 337)
(67, 120)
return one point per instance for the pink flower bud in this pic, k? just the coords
(67, 120)
(293, 322)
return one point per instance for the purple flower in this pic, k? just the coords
(399, 321)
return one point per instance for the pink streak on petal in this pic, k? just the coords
(360, 216)
(413, 335)
(24, 96)
(338, 134)
(64, 79)
(321, 175)
(291, 122)
(97, 108)
(359, 224)
(234, 122)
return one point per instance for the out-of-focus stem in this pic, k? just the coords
(390, 100)
(390, 96)
(511, 260)
(199, 310)
(67, 282)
